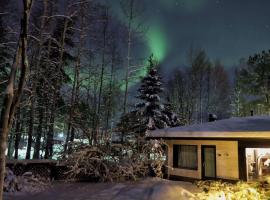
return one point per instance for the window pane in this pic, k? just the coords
(185, 156)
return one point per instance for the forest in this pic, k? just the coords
(70, 77)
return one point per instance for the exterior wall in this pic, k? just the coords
(226, 159)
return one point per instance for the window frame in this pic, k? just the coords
(176, 156)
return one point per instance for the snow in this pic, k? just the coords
(28, 183)
(149, 188)
(237, 127)
(150, 110)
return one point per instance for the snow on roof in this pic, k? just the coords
(236, 127)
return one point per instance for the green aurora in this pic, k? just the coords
(157, 43)
(156, 38)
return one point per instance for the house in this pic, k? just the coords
(230, 149)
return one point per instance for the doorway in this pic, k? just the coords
(208, 162)
(257, 163)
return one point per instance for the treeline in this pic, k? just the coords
(200, 89)
(203, 87)
(251, 93)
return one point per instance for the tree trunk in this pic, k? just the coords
(105, 25)
(17, 133)
(11, 144)
(109, 106)
(11, 100)
(30, 131)
(4, 131)
(35, 77)
(39, 134)
(76, 81)
(49, 142)
(18, 140)
(130, 22)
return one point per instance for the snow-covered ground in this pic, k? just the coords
(147, 189)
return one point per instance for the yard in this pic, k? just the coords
(146, 189)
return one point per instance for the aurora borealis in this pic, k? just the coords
(157, 42)
(227, 29)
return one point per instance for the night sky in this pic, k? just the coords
(227, 29)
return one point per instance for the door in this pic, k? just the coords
(208, 162)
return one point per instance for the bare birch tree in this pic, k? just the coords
(12, 97)
(132, 12)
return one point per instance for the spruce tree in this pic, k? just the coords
(170, 117)
(149, 113)
(150, 109)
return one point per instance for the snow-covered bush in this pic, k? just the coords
(11, 182)
(25, 183)
(114, 163)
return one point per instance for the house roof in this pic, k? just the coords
(236, 127)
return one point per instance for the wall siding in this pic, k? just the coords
(226, 159)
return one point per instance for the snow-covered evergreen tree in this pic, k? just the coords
(150, 109)
(149, 113)
(171, 118)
